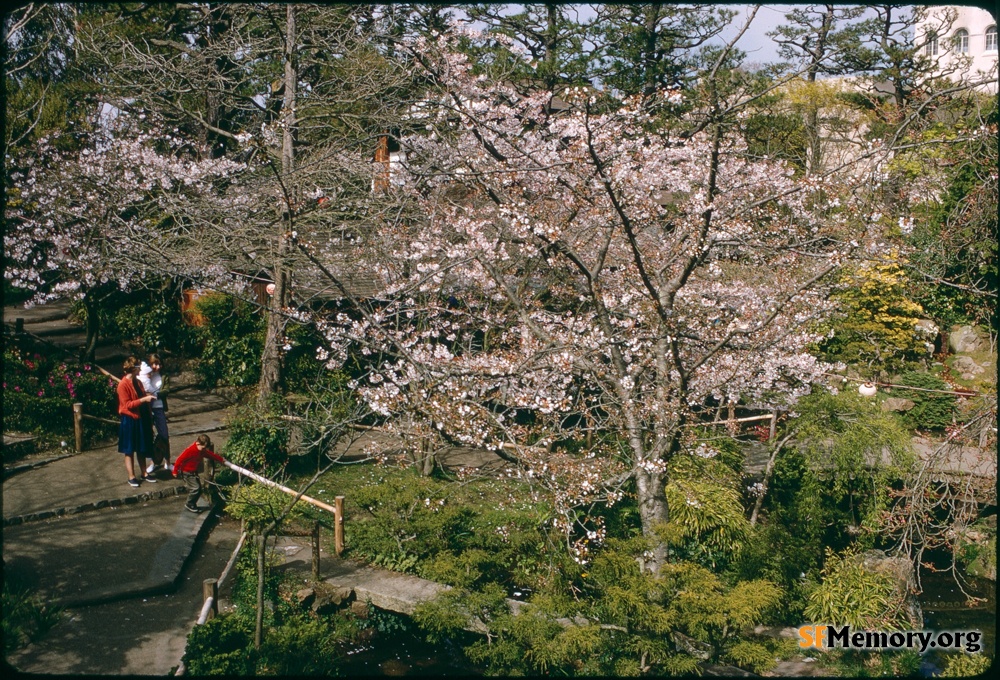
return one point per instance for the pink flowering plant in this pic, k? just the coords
(39, 392)
(592, 276)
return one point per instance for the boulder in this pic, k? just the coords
(964, 339)
(331, 599)
(897, 404)
(305, 597)
(342, 595)
(323, 606)
(967, 367)
(928, 332)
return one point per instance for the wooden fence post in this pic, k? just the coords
(78, 425)
(210, 589)
(315, 541)
(338, 525)
(774, 425)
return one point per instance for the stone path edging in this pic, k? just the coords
(174, 490)
(24, 467)
(14, 469)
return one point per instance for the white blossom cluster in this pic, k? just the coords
(597, 274)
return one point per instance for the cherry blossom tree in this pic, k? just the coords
(77, 218)
(583, 284)
(296, 95)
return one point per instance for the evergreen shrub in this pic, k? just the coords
(232, 338)
(258, 437)
(931, 410)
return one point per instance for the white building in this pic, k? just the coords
(963, 40)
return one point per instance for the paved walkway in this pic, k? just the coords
(141, 635)
(52, 331)
(120, 560)
(127, 563)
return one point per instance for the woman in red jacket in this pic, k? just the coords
(186, 466)
(131, 436)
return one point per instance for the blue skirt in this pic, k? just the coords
(133, 437)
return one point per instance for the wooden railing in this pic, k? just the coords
(78, 416)
(337, 508)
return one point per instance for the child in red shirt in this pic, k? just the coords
(186, 466)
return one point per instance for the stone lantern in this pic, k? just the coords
(867, 389)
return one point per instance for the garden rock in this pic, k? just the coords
(929, 333)
(305, 597)
(331, 599)
(967, 367)
(342, 595)
(964, 339)
(324, 606)
(897, 404)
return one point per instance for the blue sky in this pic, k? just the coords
(755, 43)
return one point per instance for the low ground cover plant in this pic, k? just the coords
(26, 617)
(493, 539)
(464, 533)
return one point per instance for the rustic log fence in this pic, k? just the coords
(210, 593)
(210, 586)
(78, 416)
(337, 509)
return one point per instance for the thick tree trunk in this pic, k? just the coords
(649, 53)
(814, 160)
(271, 367)
(551, 41)
(93, 328)
(271, 361)
(653, 513)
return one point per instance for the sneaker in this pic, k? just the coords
(150, 479)
(151, 468)
(194, 509)
(133, 482)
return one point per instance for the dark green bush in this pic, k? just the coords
(302, 369)
(258, 437)
(931, 410)
(232, 337)
(147, 319)
(154, 325)
(302, 646)
(480, 532)
(295, 642)
(222, 646)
